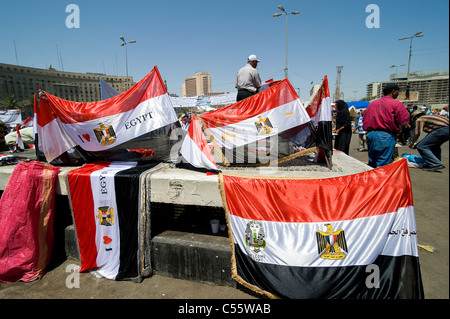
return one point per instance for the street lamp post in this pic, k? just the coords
(396, 69)
(276, 15)
(124, 43)
(417, 35)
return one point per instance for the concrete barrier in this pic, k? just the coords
(188, 254)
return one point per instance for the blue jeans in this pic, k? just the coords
(380, 147)
(430, 147)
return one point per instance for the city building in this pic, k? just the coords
(22, 81)
(426, 88)
(199, 84)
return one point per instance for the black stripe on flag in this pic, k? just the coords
(127, 187)
(399, 278)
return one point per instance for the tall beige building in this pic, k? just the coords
(22, 81)
(199, 84)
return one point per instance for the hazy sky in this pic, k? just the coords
(184, 37)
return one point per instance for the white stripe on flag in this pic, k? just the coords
(145, 117)
(325, 110)
(295, 244)
(282, 118)
(54, 140)
(107, 237)
(194, 155)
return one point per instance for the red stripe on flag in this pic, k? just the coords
(275, 96)
(149, 87)
(326, 88)
(44, 113)
(379, 191)
(82, 201)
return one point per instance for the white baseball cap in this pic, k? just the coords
(253, 58)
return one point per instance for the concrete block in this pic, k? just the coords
(189, 256)
(71, 242)
(185, 187)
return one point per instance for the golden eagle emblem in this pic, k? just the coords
(105, 215)
(105, 134)
(263, 126)
(331, 244)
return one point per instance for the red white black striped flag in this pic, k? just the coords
(345, 237)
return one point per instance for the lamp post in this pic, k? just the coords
(276, 15)
(416, 35)
(124, 43)
(396, 68)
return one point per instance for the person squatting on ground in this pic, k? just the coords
(430, 146)
(248, 81)
(382, 120)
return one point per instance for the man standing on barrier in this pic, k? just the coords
(248, 81)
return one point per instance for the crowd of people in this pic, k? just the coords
(387, 123)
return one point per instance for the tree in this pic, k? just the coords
(9, 102)
(26, 106)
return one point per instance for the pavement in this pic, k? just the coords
(431, 203)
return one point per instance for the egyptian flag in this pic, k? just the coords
(195, 148)
(19, 142)
(104, 199)
(101, 125)
(27, 123)
(319, 109)
(346, 237)
(275, 110)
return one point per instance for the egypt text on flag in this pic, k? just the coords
(101, 125)
(108, 218)
(321, 238)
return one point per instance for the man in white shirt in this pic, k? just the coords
(248, 81)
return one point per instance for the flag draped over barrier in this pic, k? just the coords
(275, 110)
(111, 221)
(346, 237)
(27, 210)
(102, 125)
(263, 128)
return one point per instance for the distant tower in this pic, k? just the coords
(337, 93)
